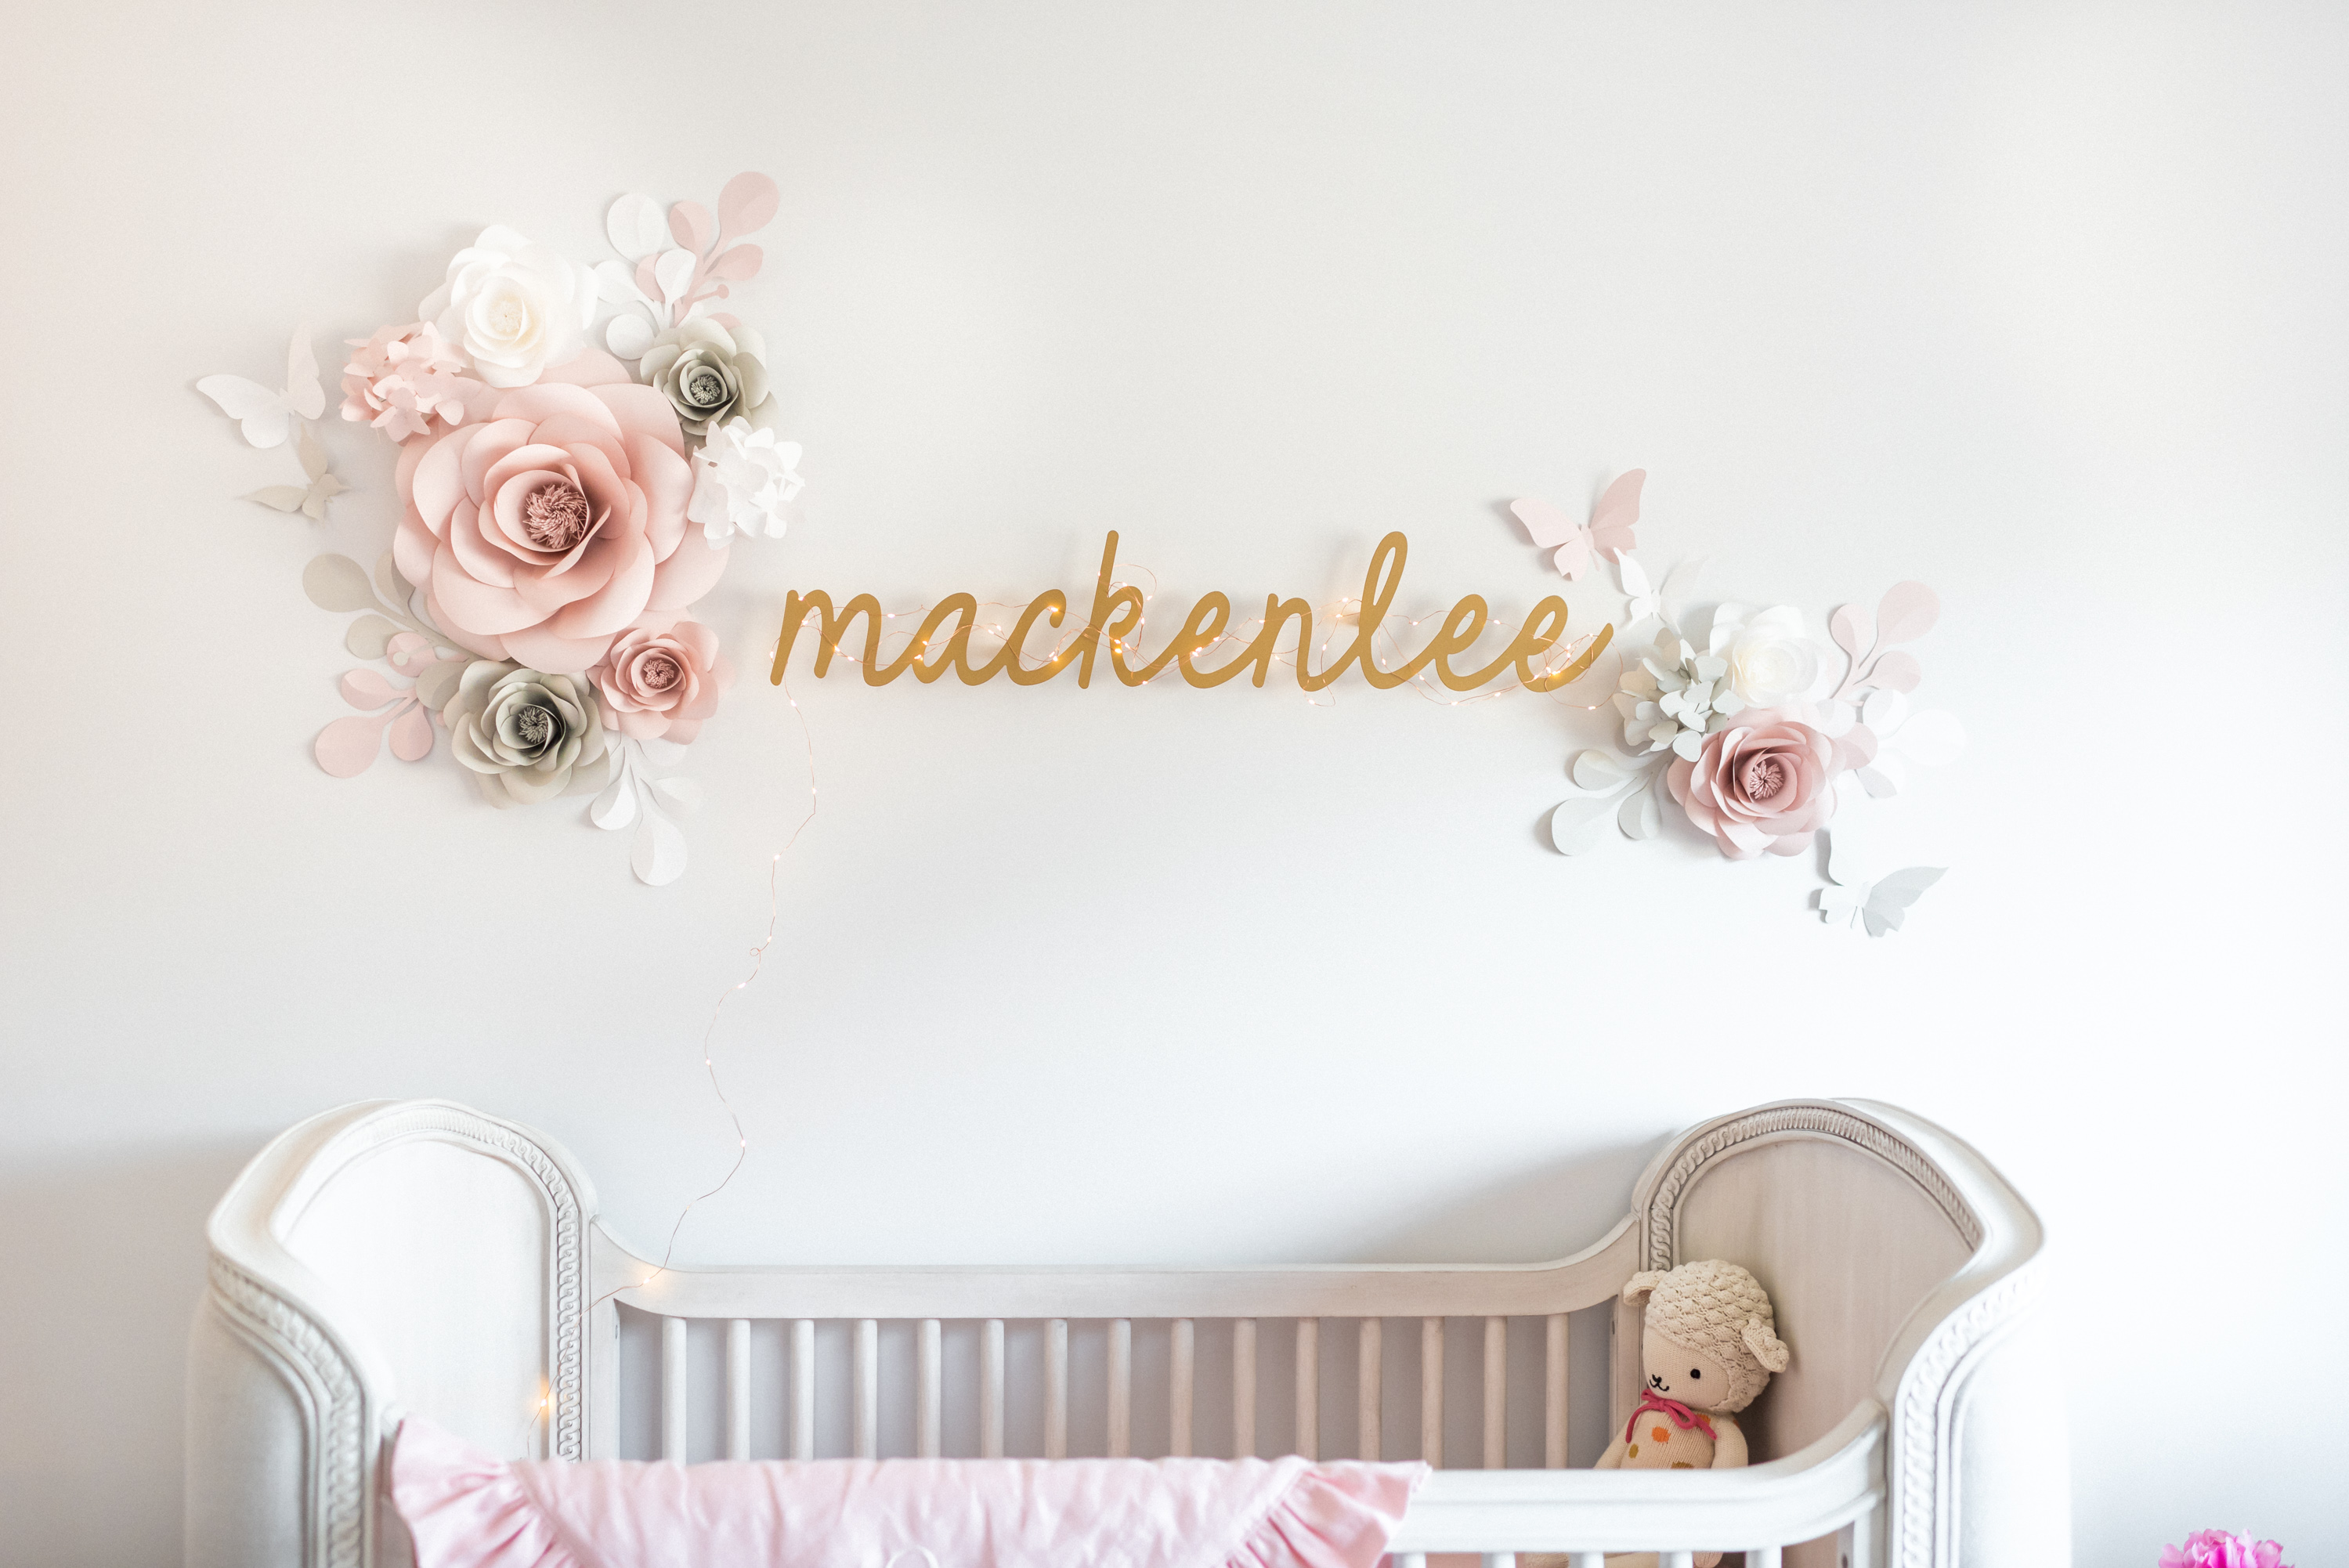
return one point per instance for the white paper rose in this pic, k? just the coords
(743, 479)
(514, 307)
(1770, 662)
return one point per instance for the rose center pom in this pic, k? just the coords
(705, 389)
(555, 516)
(658, 671)
(535, 725)
(1764, 777)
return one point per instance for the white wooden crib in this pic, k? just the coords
(418, 1256)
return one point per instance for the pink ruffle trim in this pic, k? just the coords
(464, 1509)
(1332, 1516)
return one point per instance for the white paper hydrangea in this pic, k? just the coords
(743, 481)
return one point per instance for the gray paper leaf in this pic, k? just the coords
(438, 684)
(368, 636)
(395, 587)
(335, 583)
(1639, 816)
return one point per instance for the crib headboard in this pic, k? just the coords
(418, 1255)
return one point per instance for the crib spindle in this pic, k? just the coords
(1243, 1387)
(738, 1388)
(1430, 1391)
(990, 1389)
(1121, 1387)
(1055, 1388)
(1497, 1392)
(1554, 1366)
(1179, 1387)
(1367, 1370)
(929, 1398)
(1309, 1386)
(1409, 1560)
(1671, 1560)
(1509, 1559)
(1755, 1557)
(866, 1377)
(672, 1424)
(802, 1387)
(1599, 1560)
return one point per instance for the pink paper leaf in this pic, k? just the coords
(1896, 671)
(347, 747)
(747, 203)
(1851, 630)
(1855, 748)
(1907, 613)
(689, 222)
(647, 279)
(365, 688)
(411, 733)
(408, 651)
(738, 262)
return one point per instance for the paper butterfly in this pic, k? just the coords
(1608, 533)
(266, 416)
(311, 502)
(1882, 904)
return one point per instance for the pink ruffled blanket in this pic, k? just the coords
(465, 1509)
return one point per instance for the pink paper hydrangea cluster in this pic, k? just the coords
(2217, 1548)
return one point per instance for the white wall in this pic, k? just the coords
(2040, 304)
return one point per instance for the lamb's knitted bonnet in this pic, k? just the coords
(1719, 1309)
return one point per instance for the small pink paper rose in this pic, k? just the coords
(404, 378)
(1761, 783)
(662, 678)
(541, 533)
(2217, 1548)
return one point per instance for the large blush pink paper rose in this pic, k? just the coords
(539, 533)
(1765, 783)
(662, 678)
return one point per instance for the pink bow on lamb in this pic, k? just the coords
(465, 1509)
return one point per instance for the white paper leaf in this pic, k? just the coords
(662, 753)
(673, 269)
(1576, 826)
(616, 284)
(1640, 817)
(1885, 777)
(1884, 710)
(615, 807)
(1933, 737)
(1596, 771)
(682, 793)
(628, 336)
(658, 855)
(635, 226)
(1688, 745)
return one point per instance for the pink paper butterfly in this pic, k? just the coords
(1609, 533)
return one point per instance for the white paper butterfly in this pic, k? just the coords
(268, 416)
(1882, 904)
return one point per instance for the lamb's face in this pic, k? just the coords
(1691, 1376)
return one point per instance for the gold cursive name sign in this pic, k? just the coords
(943, 641)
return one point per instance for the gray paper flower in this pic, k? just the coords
(527, 737)
(707, 373)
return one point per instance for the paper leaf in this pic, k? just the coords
(1576, 826)
(658, 855)
(738, 263)
(281, 498)
(688, 222)
(647, 284)
(662, 753)
(628, 336)
(615, 285)
(365, 688)
(1640, 817)
(388, 578)
(747, 203)
(635, 227)
(335, 583)
(411, 734)
(439, 682)
(1884, 710)
(673, 272)
(1896, 671)
(1595, 772)
(369, 635)
(1852, 630)
(1933, 737)
(682, 793)
(615, 807)
(1883, 778)
(347, 747)
(1905, 614)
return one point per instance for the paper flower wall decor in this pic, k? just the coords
(1756, 734)
(561, 514)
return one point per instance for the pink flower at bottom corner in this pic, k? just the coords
(2218, 1548)
(662, 678)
